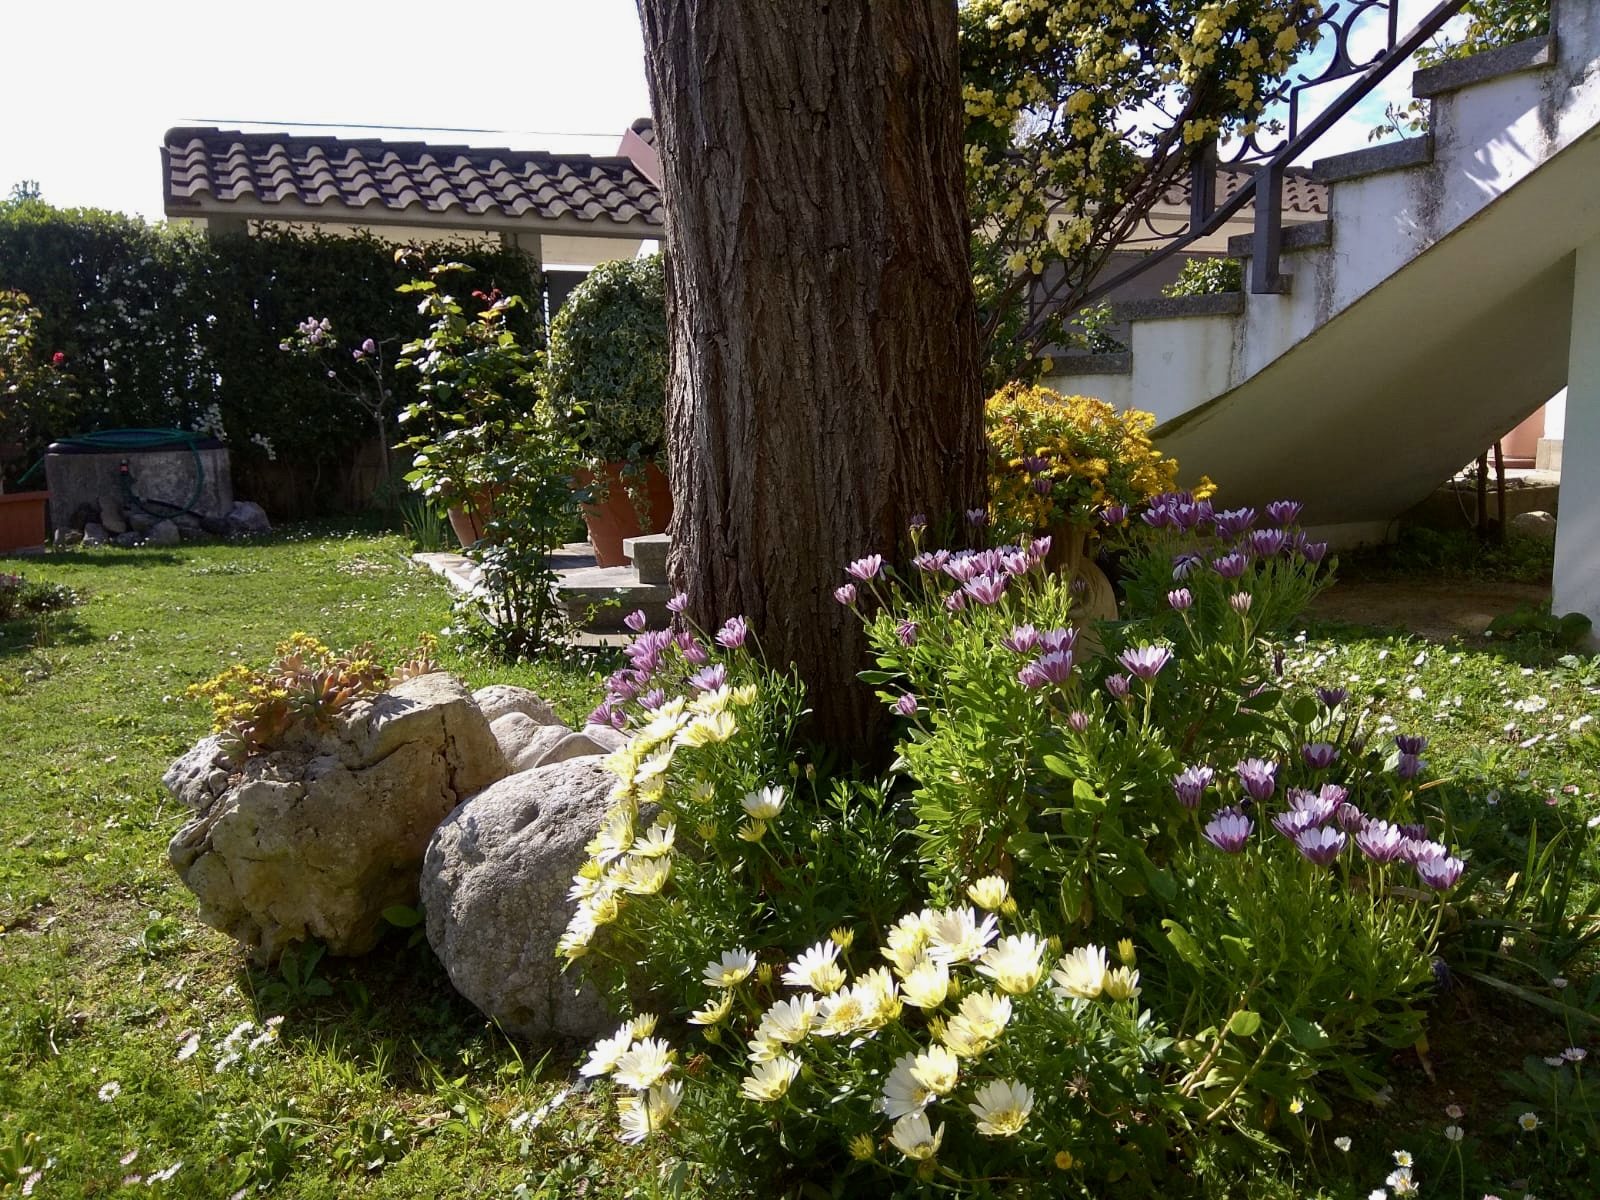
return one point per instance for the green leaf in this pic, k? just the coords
(1057, 766)
(1183, 942)
(1304, 709)
(876, 678)
(1308, 1034)
(1083, 792)
(1244, 1023)
(402, 916)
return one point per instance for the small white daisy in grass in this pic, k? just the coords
(958, 935)
(903, 1092)
(714, 1012)
(1081, 973)
(788, 1021)
(644, 1065)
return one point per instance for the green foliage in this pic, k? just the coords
(36, 385)
(1206, 277)
(1538, 623)
(161, 327)
(1060, 777)
(607, 372)
(300, 691)
(20, 597)
(483, 436)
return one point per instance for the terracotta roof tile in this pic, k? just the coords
(207, 167)
(1301, 194)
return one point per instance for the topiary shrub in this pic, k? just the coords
(607, 367)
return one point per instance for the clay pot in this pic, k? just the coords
(471, 517)
(1072, 556)
(22, 522)
(615, 518)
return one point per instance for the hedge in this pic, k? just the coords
(163, 327)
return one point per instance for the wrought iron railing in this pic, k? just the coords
(1267, 152)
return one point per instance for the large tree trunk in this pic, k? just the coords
(824, 370)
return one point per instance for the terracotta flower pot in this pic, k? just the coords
(615, 517)
(22, 520)
(471, 517)
(1071, 555)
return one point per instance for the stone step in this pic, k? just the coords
(648, 553)
(598, 598)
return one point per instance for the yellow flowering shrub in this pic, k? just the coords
(1080, 114)
(1055, 458)
(305, 684)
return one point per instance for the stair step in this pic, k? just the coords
(1119, 363)
(1527, 55)
(1167, 308)
(1305, 236)
(599, 597)
(1374, 160)
(648, 553)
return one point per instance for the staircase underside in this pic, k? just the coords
(1366, 415)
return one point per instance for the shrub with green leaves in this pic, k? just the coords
(607, 371)
(1151, 893)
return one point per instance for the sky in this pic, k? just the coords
(104, 79)
(87, 106)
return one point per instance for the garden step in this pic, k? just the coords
(648, 553)
(598, 598)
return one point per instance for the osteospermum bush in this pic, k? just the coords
(1156, 892)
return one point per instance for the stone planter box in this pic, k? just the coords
(22, 520)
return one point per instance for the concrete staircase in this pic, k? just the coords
(1437, 307)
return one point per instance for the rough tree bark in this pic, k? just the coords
(824, 378)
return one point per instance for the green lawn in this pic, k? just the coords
(124, 1043)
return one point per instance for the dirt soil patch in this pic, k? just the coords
(1434, 609)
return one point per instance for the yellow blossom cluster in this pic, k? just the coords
(1055, 458)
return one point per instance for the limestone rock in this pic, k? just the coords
(498, 699)
(142, 522)
(1538, 525)
(247, 517)
(316, 838)
(604, 736)
(111, 516)
(573, 745)
(523, 741)
(494, 886)
(164, 533)
(94, 534)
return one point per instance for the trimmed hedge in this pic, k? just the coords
(164, 327)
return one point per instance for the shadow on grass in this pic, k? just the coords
(24, 635)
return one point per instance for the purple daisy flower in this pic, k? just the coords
(1349, 818)
(1031, 677)
(1284, 512)
(1055, 640)
(1230, 566)
(679, 602)
(1056, 665)
(636, 620)
(1313, 552)
(1228, 831)
(845, 594)
(1267, 543)
(1180, 600)
(1440, 873)
(1410, 743)
(1259, 777)
(1292, 822)
(653, 699)
(1190, 784)
(1320, 845)
(1077, 720)
(977, 517)
(1117, 685)
(1039, 548)
(956, 601)
(1185, 565)
(906, 631)
(1332, 697)
(710, 679)
(986, 589)
(1115, 514)
(1240, 602)
(1234, 521)
(906, 706)
(1319, 756)
(1379, 841)
(866, 568)
(1022, 640)
(733, 633)
(1145, 662)
(1408, 766)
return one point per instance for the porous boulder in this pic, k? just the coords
(1540, 526)
(316, 838)
(494, 886)
(498, 699)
